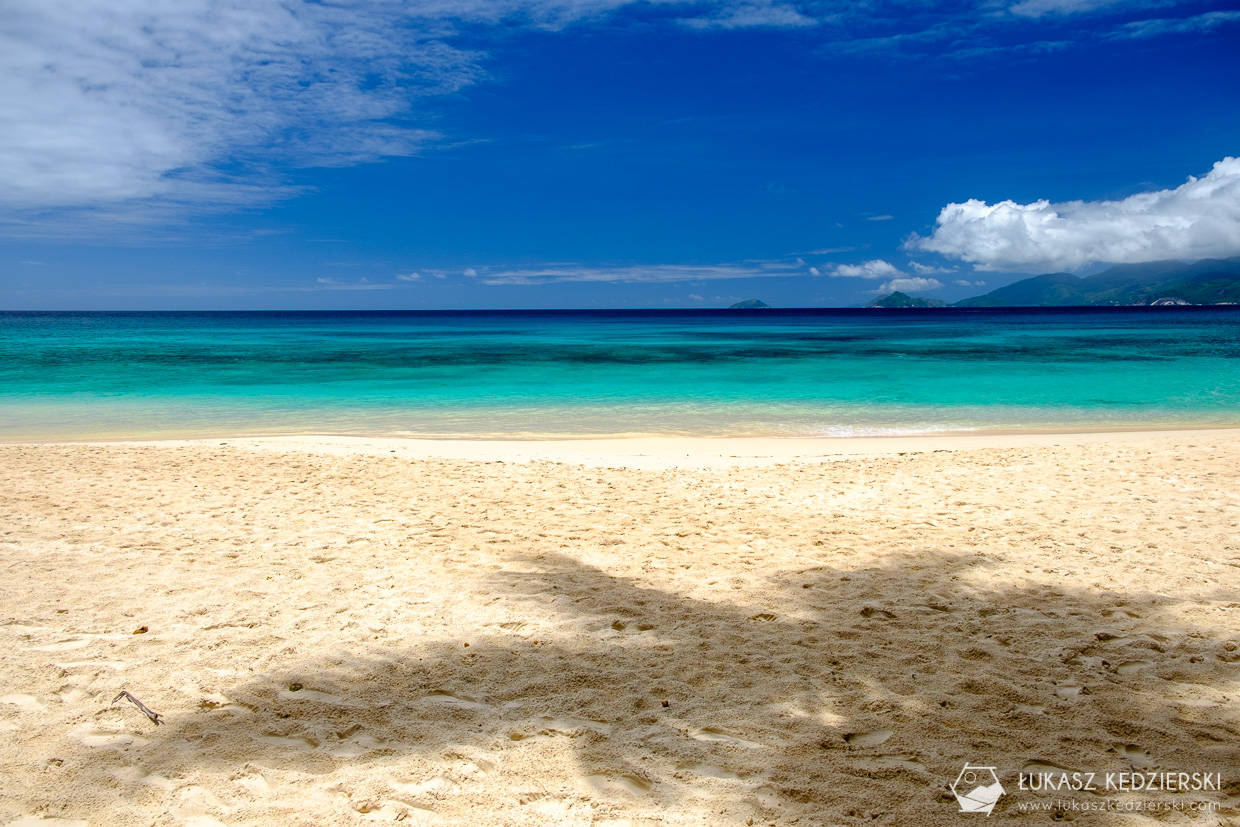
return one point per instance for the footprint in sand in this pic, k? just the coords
(711, 771)
(314, 695)
(439, 785)
(767, 797)
(256, 785)
(401, 811)
(1132, 667)
(355, 746)
(868, 739)
(64, 645)
(630, 784)
(711, 733)
(622, 625)
(1068, 692)
(90, 737)
(195, 808)
(1136, 757)
(137, 775)
(475, 770)
(572, 727)
(117, 665)
(456, 701)
(552, 809)
(72, 695)
(25, 703)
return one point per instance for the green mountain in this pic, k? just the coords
(898, 299)
(1209, 281)
(751, 304)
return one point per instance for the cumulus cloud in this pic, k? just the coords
(967, 283)
(409, 277)
(1199, 219)
(910, 284)
(876, 269)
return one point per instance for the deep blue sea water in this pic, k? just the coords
(562, 373)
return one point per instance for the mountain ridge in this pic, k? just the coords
(1208, 281)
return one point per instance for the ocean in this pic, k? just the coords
(594, 373)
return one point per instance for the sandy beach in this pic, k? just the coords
(342, 631)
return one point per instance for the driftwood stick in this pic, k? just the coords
(154, 716)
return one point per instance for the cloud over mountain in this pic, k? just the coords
(1199, 219)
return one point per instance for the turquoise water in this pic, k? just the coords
(787, 373)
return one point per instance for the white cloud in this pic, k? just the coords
(880, 218)
(555, 273)
(1199, 219)
(753, 14)
(409, 277)
(1187, 25)
(190, 101)
(142, 109)
(1038, 8)
(876, 269)
(909, 285)
(206, 102)
(926, 270)
(333, 284)
(967, 283)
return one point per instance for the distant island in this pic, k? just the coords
(750, 304)
(1159, 283)
(898, 299)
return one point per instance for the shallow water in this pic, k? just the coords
(561, 373)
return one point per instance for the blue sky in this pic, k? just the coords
(603, 153)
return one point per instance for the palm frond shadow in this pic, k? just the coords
(831, 706)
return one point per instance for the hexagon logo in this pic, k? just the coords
(977, 789)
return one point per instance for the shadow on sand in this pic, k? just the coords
(831, 707)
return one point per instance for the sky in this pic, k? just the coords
(359, 154)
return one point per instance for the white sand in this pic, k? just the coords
(483, 641)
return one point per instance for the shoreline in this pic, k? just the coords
(668, 451)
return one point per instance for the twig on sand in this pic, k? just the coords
(154, 716)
